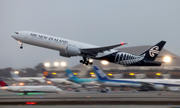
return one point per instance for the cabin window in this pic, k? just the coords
(16, 32)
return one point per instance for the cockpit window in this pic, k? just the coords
(16, 32)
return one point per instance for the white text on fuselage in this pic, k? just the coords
(48, 38)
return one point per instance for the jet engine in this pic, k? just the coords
(70, 51)
(152, 87)
(158, 86)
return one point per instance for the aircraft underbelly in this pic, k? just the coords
(121, 84)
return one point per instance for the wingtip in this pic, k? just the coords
(123, 43)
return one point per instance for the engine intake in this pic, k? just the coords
(70, 51)
(158, 86)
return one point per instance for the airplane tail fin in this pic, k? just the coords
(14, 75)
(47, 74)
(100, 74)
(2, 83)
(153, 52)
(70, 74)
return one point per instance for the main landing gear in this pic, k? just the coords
(86, 61)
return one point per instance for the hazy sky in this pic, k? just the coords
(99, 22)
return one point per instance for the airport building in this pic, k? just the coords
(169, 69)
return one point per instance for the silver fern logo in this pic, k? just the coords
(153, 51)
(127, 59)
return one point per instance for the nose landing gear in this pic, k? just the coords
(86, 61)
(21, 47)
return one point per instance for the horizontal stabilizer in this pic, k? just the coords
(154, 62)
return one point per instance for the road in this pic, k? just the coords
(93, 97)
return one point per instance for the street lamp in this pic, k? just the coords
(47, 64)
(63, 64)
(90, 60)
(104, 62)
(56, 64)
(167, 59)
(16, 72)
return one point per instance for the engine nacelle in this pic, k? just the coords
(158, 87)
(70, 51)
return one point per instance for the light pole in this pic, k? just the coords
(47, 64)
(56, 64)
(104, 62)
(63, 64)
(16, 72)
(167, 59)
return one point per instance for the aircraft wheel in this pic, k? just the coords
(86, 63)
(103, 90)
(77, 90)
(81, 61)
(25, 93)
(91, 63)
(21, 47)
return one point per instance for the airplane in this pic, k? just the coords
(174, 89)
(144, 84)
(82, 81)
(49, 77)
(104, 80)
(29, 89)
(26, 79)
(70, 48)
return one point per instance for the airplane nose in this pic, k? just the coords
(15, 35)
(12, 35)
(58, 90)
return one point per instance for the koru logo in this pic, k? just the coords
(101, 73)
(70, 75)
(153, 51)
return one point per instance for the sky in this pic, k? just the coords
(98, 22)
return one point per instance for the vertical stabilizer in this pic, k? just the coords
(70, 74)
(47, 74)
(100, 74)
(153, 52)
(2, 83)
(13, 75)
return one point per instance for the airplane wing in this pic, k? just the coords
(95, 51)
(27, 90)
(154, 63)
(36, 80)
(147, 85)
(157, 62)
